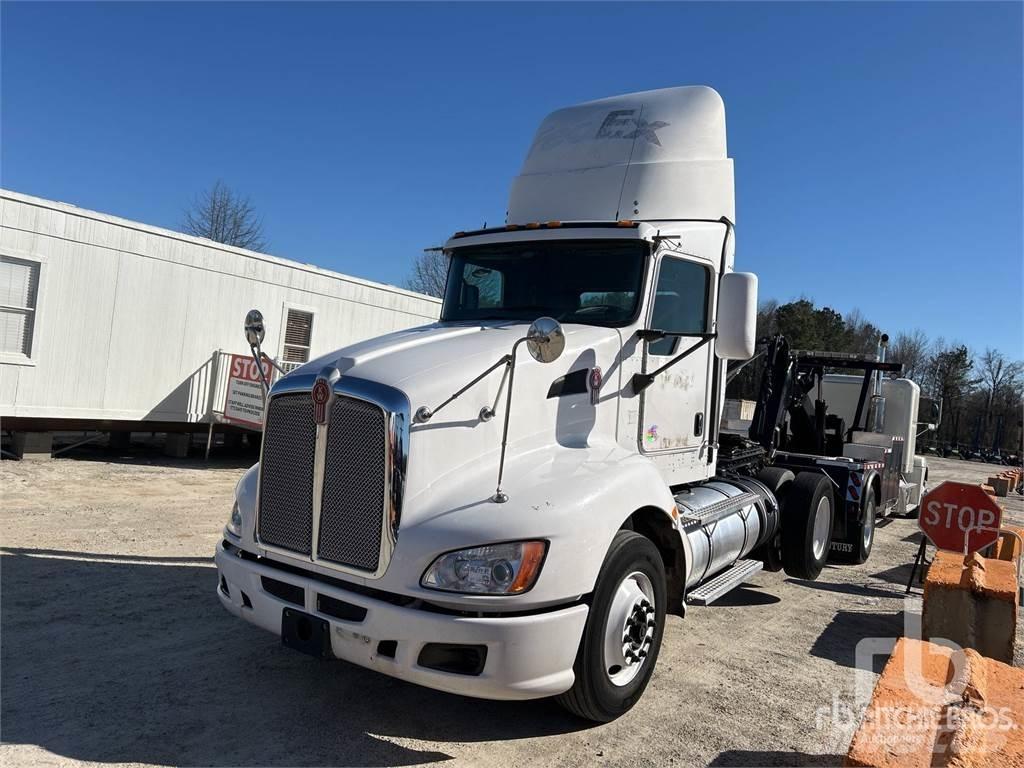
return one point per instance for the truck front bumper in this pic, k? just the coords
(528, 656)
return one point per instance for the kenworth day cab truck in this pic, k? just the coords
(439, 506)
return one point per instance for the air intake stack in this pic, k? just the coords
(876, 408)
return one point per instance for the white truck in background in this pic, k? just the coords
(507, 503)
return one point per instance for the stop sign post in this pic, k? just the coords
(960, 517)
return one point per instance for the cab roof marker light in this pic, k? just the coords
(625, 223)
(553, 224)
(533, 225)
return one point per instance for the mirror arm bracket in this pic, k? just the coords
(277, 367)
(642, 381)
(257, 356)
(424, 414)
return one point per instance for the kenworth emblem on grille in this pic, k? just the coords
(322, 391)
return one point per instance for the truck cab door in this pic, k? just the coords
(674, 408)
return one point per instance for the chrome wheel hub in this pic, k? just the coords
(629, 631)
(821, 526)
(869, 524)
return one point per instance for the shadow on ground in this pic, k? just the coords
(746, 595)
(862, 590)
(151, 454)
(899, 575)
(839, 640)
(739, 758)
(111, 659)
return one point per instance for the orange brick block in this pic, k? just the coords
(973, 602)
(1000, 485)
(1009, 547)
(933, 706)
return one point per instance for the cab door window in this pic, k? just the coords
(680, 302)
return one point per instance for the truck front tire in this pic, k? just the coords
(807, 525)
(623, 633)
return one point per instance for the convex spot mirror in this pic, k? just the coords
(254, 330)
(545, 340)
(737, 316)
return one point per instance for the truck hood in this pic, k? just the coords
(436, 360)
(430, 363)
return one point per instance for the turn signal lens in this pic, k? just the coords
(234, 525)
(496, 569)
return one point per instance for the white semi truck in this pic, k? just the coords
(507, 503)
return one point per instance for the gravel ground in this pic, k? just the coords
(115, 650)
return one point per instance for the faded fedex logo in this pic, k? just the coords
(621, 124)
(651, 435)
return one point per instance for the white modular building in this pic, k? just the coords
(106, 322)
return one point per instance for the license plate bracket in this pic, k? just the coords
(306, 634)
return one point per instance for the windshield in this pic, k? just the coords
(597, 282)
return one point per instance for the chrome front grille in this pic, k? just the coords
(286, 474)
(333, 493)
(352, 510)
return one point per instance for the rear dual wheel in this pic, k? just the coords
(864, 534)
(776, 480)
(807, 525)
(623, 633)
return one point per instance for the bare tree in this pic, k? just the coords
(861, 336)
(949, 370)
(997, 374)
(911, 349)
(767, 324)
(220, 215)
(429, 273)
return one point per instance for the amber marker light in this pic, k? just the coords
(533, 556)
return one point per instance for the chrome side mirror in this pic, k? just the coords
(254, 330)
(545, 340)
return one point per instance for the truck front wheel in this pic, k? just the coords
(807, 525)
(623, 633)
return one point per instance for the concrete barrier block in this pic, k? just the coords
(120, 441)
(1000, 485)
(934, 706)
(177, 444)
(34, 446)
(973, 602)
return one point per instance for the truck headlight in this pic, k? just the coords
(234, 526)
(496, 569)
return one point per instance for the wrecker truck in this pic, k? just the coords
(507, 503)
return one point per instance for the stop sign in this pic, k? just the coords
(960, 517)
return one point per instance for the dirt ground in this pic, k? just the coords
(115, 650)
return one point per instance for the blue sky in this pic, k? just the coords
(877, 146)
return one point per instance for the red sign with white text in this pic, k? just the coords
(960, 517)
(243, 403)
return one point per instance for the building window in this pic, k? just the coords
(298, 333)
(19, 288)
